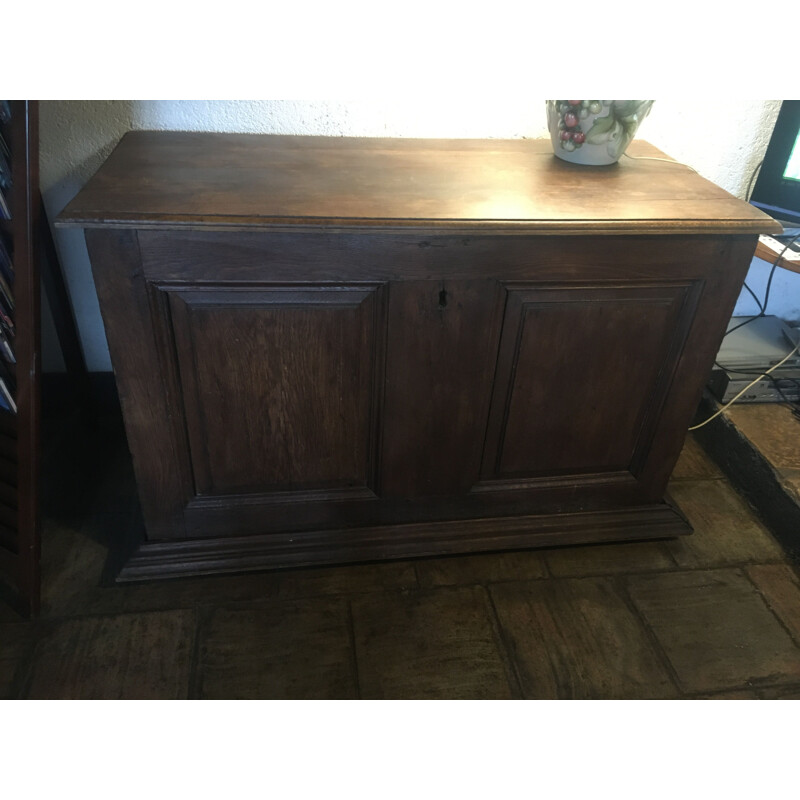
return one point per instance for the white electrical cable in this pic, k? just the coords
(752, 383)
(654, 158)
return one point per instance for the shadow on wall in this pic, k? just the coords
(75, 138)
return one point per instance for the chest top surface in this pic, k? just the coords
(178, 180)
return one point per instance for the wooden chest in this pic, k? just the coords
(334, 350)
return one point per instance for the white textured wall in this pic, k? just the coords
(76, 136)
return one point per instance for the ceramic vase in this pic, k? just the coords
(594, 132)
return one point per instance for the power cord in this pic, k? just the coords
(751, 182)
(655, 158)
(752, 383)
(767, 373)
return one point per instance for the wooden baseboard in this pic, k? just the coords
(239, 554)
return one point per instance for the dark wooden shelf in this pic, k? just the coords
(19, 433)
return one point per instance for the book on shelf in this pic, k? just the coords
(6, 307)
(6, 177)
(5, 165)
(6, 350)
(6, 293)
(6, 264)
(8, 374)
(8, 387)
(5, 171)
(7, 398)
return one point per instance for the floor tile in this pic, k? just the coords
(694, 462)
(427, 645)
(716, 630)
(192, 592)
(577, 639)
(740, 694)
(16, 641)
(72, 566)
(773, 429)
(484, 568)
(780, 587)
(780, 693)
(347, 579)
(725, 529)
(790, 481)
(9, 614)
(145, 656)
(608, 559)
(296, 651)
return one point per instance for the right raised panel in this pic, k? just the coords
(582, 375)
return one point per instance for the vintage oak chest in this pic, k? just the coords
(333, 349)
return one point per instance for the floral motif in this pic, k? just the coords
(596, 122)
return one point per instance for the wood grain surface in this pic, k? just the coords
(169, 179)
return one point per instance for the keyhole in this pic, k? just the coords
(442, 298)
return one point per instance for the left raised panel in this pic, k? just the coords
(279, 387)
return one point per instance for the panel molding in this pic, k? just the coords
(178, 303)
(589, 479)
(278, 550)
(524, 299)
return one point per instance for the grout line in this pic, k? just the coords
(695, 478)
(548, 572)
(23, 675)
(713, 694)
(23, 670)
(415, 568)
(620, 584)
(202, 617)
(353, 653)
(787, 687)
(639, 573)
(504, 648)
(795, 639)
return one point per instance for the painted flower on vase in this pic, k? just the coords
(609, 123)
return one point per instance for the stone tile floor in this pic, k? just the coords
(713, 615)
(774, 432)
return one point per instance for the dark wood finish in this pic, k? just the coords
(330, 546)
(161, 456)
(440, 363)
(341, 350)
(20, 545)
(620, 342)
(285, 403)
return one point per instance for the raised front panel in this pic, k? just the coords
(441, 354)
(582, 375)
(277, 385)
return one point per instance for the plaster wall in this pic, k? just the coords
(76, 136)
